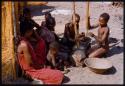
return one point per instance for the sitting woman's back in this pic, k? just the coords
(26, 53)
(48, 76)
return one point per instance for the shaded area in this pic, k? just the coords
(66, 79)
(115, 50)
(112, 40)
(17, 81)
(122, 40)
(110, 71)
(38, 10)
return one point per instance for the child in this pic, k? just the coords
(52, 54)
(102, 38)
(49, 22)
(53, 58)
(69, 32)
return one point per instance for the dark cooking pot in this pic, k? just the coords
(83, 44)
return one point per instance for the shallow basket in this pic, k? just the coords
(98, 65)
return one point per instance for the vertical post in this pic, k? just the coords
(14, 35)
(75, 27)
(87, 16)
(16, 11)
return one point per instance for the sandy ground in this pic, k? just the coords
(78, 75)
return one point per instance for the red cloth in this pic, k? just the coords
(48, 76)
(38, 53)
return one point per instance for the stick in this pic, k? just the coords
(87, 17)
(76, 29)
(14, 34)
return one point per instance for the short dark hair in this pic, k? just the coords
(25, 26)
(105, 16)
(48, 13)
(50, 21)
(76, 15)
(26, 10)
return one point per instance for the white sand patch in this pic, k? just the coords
(106, 3)
(61, 11)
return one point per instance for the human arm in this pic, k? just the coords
(102, 39)
(24, 48)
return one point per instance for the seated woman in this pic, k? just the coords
(42, 31)
(31, 67)
(27, 17)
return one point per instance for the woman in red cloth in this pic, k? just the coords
(30, 59)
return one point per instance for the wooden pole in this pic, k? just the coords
(87, 17)
(75, 27)
(14, 34)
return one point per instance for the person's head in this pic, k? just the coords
(47, 15)
(103, 19)
(27, 29)
(77, 18)
(54, 46)
(50, 23)
(27, 13)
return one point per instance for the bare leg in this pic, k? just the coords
(95, 47)
(98, 53)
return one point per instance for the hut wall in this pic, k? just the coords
(8, 55)
(8, 70)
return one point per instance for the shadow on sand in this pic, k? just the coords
(122, 40)
(38, 10)
(115, 50)
(110, 71)
(112, 40)
(66, 80)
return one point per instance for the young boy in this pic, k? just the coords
(52, 54)
(49, 22)
(53, 58)
(102, 38)
(69, 32)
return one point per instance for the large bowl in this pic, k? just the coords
(98, 65)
